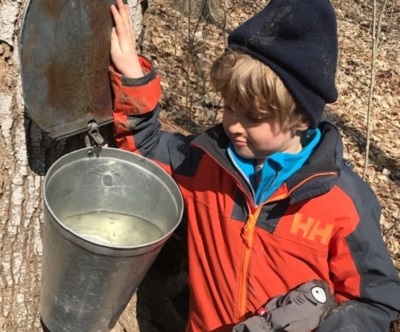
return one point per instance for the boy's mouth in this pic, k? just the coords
(240, 143)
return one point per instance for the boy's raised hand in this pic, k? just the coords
(123, 43)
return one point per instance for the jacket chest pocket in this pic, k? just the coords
(296, 226)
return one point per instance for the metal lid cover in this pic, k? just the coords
(65, 54)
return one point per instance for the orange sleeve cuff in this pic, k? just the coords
(138, 96)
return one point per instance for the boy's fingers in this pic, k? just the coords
(115, 49)
(121, 32)
(131, 31)
(120, 4)
(117, 17)
(114, 41)
(124, 14)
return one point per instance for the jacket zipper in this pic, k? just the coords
(248, 235)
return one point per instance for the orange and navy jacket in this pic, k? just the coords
(322, 223)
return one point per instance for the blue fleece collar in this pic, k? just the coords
(277, 167)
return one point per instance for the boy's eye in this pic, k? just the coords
(257, 117)
(260, 117)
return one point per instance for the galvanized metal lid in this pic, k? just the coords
(65, 54)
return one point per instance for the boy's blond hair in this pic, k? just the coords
(247, 84)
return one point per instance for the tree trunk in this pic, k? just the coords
(25, 155)
(210, 10)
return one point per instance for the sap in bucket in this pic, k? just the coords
(106, 219)
(107, 212)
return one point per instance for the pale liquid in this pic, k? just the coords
(111, 228)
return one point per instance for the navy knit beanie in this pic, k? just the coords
(298, 40)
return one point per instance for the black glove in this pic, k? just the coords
(299, 310)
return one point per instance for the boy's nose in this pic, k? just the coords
(235, 126)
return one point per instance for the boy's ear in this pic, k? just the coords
(304, 125)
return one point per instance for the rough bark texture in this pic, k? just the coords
(20, 187)
(25, 155)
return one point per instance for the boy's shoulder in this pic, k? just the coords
(349, 182)
(352, 182)
(349, 191)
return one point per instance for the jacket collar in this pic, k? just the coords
(320, 173)
(317, 176)
(215, 143)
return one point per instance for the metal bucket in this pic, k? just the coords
(106, 219)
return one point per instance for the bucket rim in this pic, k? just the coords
(73, 236)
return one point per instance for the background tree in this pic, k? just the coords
(25, 155)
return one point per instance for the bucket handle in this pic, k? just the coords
(94, 139)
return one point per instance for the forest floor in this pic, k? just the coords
(182, 51)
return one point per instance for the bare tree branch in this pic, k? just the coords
(376, 33)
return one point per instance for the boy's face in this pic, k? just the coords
(258, 138)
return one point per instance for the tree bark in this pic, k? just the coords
(25, 155)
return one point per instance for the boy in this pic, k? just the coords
(270, 202)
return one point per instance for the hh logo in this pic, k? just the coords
(311, 229)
